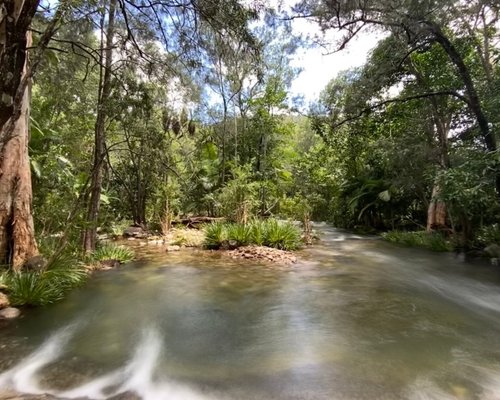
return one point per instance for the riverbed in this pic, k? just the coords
(354, 318)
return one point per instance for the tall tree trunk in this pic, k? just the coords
(90, 234)
(436, 213)
(17, 235)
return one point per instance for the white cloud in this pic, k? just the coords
(319, 66)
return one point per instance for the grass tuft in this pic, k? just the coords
(427, 240)
(113, 252)
(44, 287)
(215, 235)
(270, 233)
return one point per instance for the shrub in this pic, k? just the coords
(488, 235)
(257, 232)
(239, 233)
(187, 237)
(44, 287)
(281, 235)
(271, 233)
(215, 235)
(428, 240)
(113, 252)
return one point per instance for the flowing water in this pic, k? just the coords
(355, 318)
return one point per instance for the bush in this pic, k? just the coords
(44, 287)
(239, 233)
(427, 240)
(281, 235)
(270, 233)
(187, 237)
(488, 235)
(215, 235)
(113, 252)
(257, 232)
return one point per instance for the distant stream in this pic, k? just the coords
(355, 318)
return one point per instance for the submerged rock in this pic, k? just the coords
(4, 300)
(10, 313)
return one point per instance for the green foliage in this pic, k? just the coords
(4, 277)
(487, 235)
(116, 228)
(281, 235)
(238, 198)
(215, 235)
(111, 251)
(239, 233)
(257, 232)
(270, 233)
(187, 237)
(44, 287)
(427, 240)
(29, 288)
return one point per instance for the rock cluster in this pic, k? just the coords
(263, 253)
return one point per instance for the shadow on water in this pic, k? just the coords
(356, 318)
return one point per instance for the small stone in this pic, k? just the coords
(173, 248)
(10, 313)
(4, 300)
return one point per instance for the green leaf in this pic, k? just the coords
(104, 199)
(384, 196)
(35, 166)
(64, 160)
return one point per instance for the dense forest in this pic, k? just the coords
(124, 112)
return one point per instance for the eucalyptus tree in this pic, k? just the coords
(17, 237)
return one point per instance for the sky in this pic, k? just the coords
(318, 67)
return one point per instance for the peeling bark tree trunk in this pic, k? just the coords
(436, 213)
(90, 234)
(17, 235)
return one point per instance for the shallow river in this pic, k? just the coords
(356, 318)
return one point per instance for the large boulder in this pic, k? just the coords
(134, 232)
(10, 313)
(35, 264)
